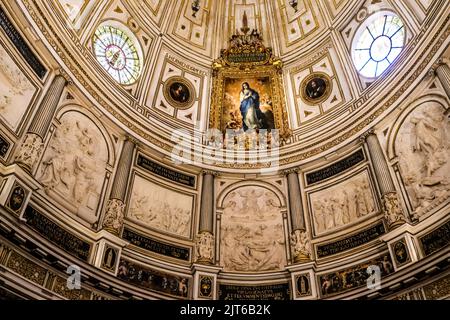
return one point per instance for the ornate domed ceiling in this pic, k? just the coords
(216, 149)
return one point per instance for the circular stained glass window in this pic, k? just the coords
(118, 54)
(378, 43)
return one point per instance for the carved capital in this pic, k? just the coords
(114, 214)
(211, 172)
(287, 172)
(61, 72)
(393, 212)
(204, 248)
(301, 246)
(30, 151)
(366, 134)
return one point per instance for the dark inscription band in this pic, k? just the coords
(57, 235)
(4, 147)
(353, 277)
(165, 172)
(156, 246)
(267, 292)
(351, 242)
(335, 168)
(21, 45)
(436, 239)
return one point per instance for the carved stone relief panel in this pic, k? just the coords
(342, 204)
(252, 236)
(423, 148)
(160, 208)
(16, 91)
(73, 167)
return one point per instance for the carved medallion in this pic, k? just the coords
(316, 88)
(179, 92)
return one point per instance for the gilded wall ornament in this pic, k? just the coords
(248, 90)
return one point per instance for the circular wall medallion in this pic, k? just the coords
(316, 88)
(179, 92)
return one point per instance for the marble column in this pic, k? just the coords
(115, 207)
(442, 71)
(301, 247)
(32, 145)
(392, 209)
(205, 238)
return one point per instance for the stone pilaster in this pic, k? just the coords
(205, 239)
(115, 207)
(32, 144)
(392, 209)
(442, 71)
(301, 247)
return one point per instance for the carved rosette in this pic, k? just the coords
(204, 246)
(393, 212)
(113, 221)
(301, 246)
(30, 151)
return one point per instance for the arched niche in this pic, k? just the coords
(252, 229)
(75, 167)
(420, 143)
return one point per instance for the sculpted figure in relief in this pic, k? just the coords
(423, 149)
(160, 208)
(342, 204)
(252, 237)
(72, 165)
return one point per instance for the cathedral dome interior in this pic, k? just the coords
(224, 149)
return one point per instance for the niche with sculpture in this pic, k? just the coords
(252, 236)
(73, 167)
(423, 147)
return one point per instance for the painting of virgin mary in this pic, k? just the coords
(252, 117)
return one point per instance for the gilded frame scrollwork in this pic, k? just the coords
(249, 60)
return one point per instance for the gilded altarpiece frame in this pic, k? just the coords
(247, 60)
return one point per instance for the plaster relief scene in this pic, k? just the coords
(73, 165)
(423, 148)
(252, 237)
(160, 208)
(342, 204)
(16, 91)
